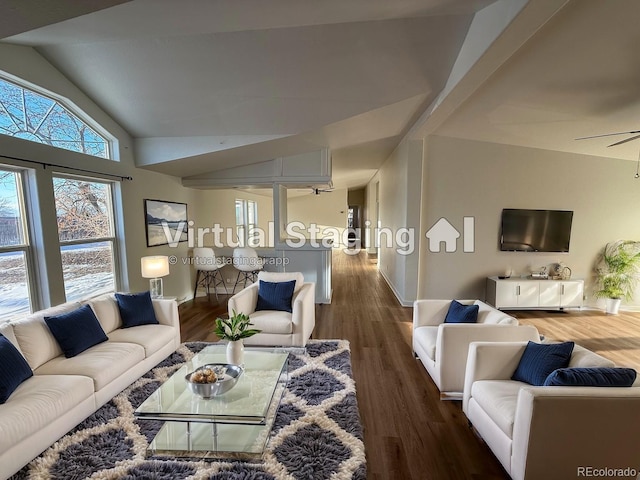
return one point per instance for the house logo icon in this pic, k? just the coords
(443, 232)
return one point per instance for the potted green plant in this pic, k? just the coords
(235, 329)
(617, 273)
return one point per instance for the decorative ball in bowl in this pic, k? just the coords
(213, 379)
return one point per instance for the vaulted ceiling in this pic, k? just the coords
(202, 86)
(205, 85)
(578, 76)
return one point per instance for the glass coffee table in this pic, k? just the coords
(238, 421)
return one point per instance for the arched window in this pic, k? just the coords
(32, 116)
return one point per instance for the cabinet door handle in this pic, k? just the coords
(518, 290)
(562, 290)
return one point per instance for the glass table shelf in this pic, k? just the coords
(237, 421)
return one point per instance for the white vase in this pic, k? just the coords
(235, 352)
(612, 305)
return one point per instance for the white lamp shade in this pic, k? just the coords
(154, 266)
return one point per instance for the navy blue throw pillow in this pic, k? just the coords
(76, 331)
(540, 359)
(459, 313)
(592, 377)
(275, 296)
(14, 369)
(136, 309)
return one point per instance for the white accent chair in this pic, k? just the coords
(547, 433)
(248, 264)
(442, 347)
(208, 266)
(279, 328)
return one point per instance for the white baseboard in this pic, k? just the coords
(403, 302)
(202, 292)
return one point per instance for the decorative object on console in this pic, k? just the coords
(235, 329)
(541, 274)
(617, 273)
(560, 272)
(154, 267)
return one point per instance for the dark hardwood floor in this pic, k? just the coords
(409, 432)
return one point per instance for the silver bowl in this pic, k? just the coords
(227, 373)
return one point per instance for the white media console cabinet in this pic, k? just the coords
(524, 293)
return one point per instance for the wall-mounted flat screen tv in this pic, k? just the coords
(535, 230)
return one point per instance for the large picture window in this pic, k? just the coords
(86, 231)
(14, 247)
(32, 116)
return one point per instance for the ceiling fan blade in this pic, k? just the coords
(624, 141)
(609, 134)
(318, 191)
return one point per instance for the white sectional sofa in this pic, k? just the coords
(442, 347)
(64, 391)
(550, 432)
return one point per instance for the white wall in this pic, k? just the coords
(326, 210)
(219, 207)
(469, 178)
(27, 64)
(399, 197)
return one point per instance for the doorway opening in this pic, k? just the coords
(353, 226)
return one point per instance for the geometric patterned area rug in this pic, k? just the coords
(317, 433)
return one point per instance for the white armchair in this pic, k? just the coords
(547, 433)
(279, 328)
(442, 347)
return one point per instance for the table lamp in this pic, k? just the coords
(154, 267)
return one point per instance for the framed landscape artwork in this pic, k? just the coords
(165, 222)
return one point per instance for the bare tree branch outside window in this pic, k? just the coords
(85, 230)
(31, 116)
(82, 209)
